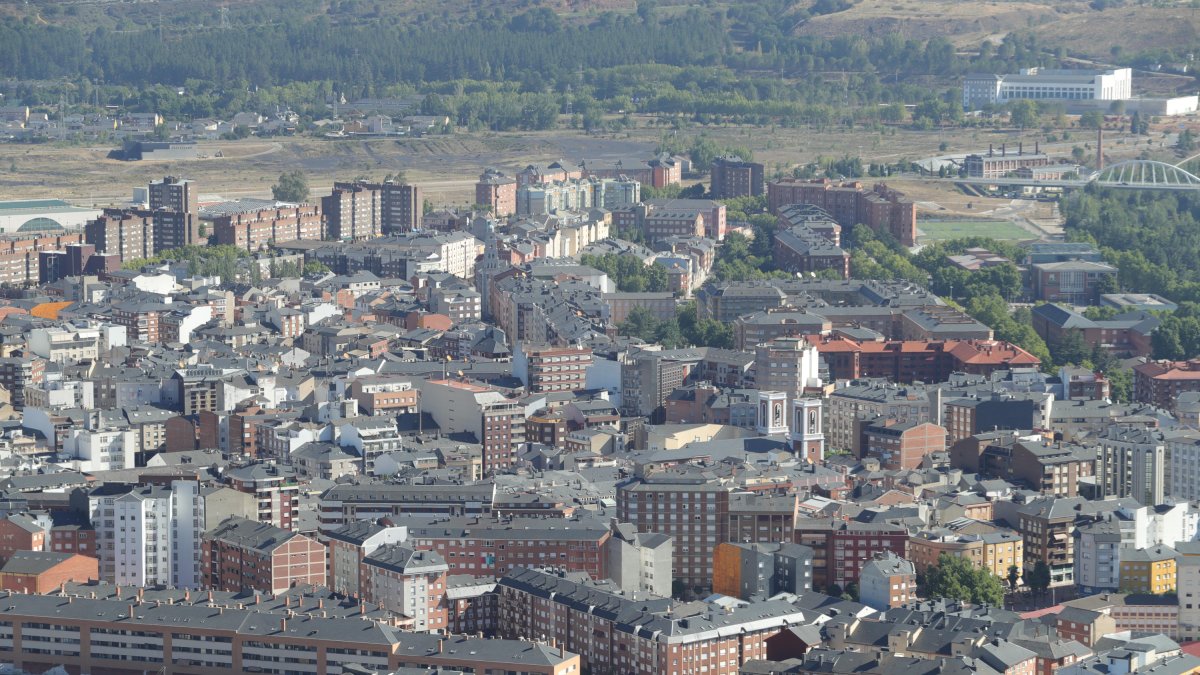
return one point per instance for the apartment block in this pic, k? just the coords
(150, 534)
(887, 581)
(733, 176)
(840, 549)
(760, 571)
(685, 506)
(254, 229)
(1160, 383)
(348, 546)
(992, 547)
(496, 421)
(341, 505)
(624, 635)
(497, 192)
(546, 368)
(485, 547)
(92, 627)
(275, 489)
(880, 208)
(902, 446)
(409, 582)
(242, 554)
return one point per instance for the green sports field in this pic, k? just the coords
(938, 230)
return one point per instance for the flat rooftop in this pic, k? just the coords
(38, 206)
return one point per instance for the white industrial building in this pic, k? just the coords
(1041, 84)
(42, 215)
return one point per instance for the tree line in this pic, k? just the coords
(741, 63)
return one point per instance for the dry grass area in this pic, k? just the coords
(447, 165)
(1071, 23)
(1133, 28)
(965, 23)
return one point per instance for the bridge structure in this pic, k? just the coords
(1134, 174)
(1146, 174)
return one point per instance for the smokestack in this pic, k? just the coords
(1036, 147)
(282, 625)
(1020, 148)
(1100, 149)
(1004, 149)
(989, 149)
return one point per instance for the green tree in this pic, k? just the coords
(1071, 349)
(1092, 119)
(639, 323)
(1038, 578)
(1186, 141)
(957, 578)
(292, 187)
(1120, 384)
(1023, 113)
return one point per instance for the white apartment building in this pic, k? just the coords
(72, 344)
(1041, 84)
(149, 535)
(408, 582)
(1100, 545)
(89, 450)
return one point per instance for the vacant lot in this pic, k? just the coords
(938, 230)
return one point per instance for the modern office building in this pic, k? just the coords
(1042, 84)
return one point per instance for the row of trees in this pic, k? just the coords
(503, 73)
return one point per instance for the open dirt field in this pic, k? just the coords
(446, 166)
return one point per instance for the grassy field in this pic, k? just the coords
(939, 230)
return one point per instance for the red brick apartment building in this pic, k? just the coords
(840, 549)
(880, 208)
(614, 633)
(735, 177)
(255, 230)
(684, 505)
(126, 233)
(486, 547)
(497, 192)
(19, 255)
(1160, 382)
(20, 532)
(902, 446)
(918, 360)
(241, 554)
